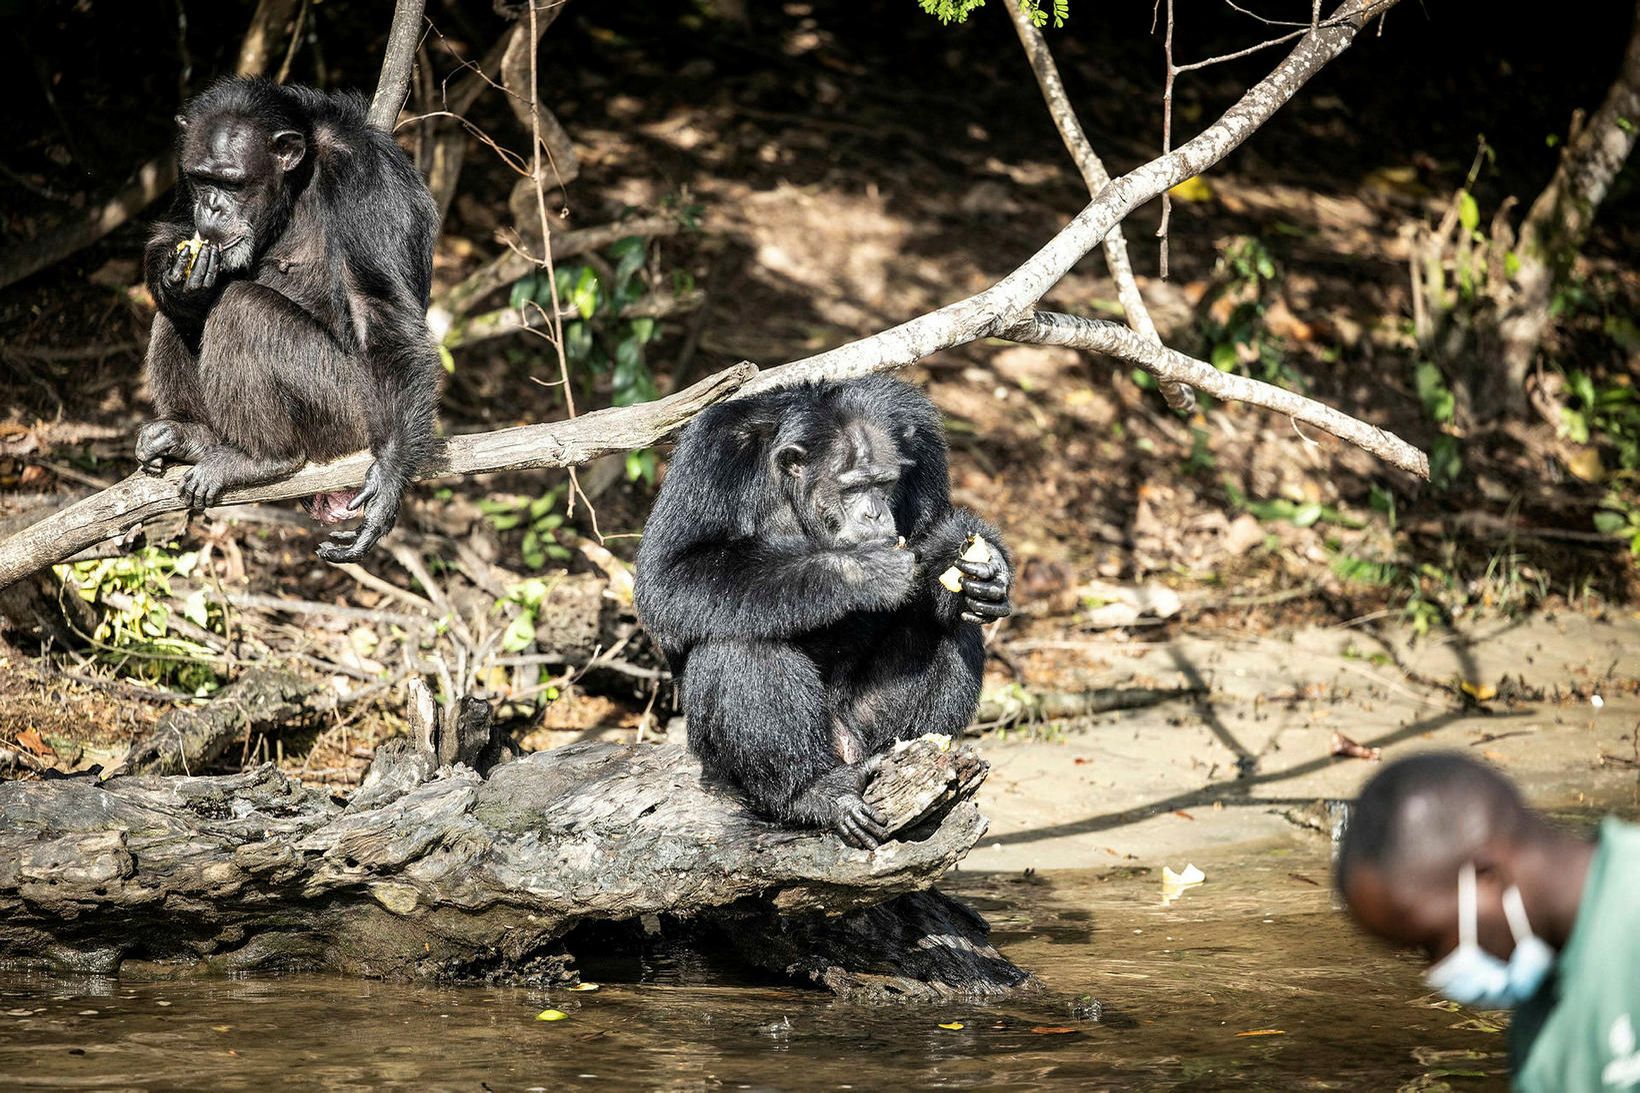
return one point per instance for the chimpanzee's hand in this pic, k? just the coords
(984, 590)
(155, 441)
(180, 277)
(887, 570)
(379, 499)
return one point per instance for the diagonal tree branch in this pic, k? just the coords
(1097, 178)
(142, 497)
(986, 312)
(1168, 365)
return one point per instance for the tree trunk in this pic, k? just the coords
(1557, 226)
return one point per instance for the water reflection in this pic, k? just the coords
(1257, 950)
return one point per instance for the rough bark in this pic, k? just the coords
(1049, 328)
(463, 876)
(397, 60)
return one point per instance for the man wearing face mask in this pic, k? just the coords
(1442, 855)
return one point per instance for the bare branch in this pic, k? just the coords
(1097, 178)
(1113, 339)
(397, 60)
(1001, 305)
(142, 497)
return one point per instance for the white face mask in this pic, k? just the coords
(1471, 975)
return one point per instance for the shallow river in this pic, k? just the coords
(1256, 949)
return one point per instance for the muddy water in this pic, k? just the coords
(1257, 948)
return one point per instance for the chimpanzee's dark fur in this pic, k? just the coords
(807, 640)
(300, 332)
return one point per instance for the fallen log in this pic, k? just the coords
(463, 877)
(263, 700)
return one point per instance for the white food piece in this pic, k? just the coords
(977, 550)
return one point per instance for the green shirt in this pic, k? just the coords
(1581, 1031)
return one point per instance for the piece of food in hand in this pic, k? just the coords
(193, 247)
(976, 550)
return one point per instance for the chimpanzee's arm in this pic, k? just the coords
(985, 585)
(401, 391)
(774, 588)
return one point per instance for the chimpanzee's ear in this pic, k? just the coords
(288, 148)
(790, 459)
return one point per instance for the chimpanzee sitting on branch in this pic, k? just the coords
(792, 574)
(292, 282)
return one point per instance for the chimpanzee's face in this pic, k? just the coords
(235, 170)
(845, 489)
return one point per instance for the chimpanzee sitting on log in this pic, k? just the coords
(797, 573)
(292, 282)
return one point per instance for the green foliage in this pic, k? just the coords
(1446, 454)
(1200, 460)
(1246, 273)
(540, 521)
(1302, 514)
(1610, 413)
(600, 338)
(1620, 516)
(1037, 11)
(136, 635)
(528, 598)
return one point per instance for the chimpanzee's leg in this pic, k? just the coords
(757, 716)
(275, 385)
(177, 434)
(918, 679)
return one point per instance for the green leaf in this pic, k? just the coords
(557, 553)
(1433, 392)
(1469, 213)
(520, 633)
(1511, 263)
(1608, 522)
(632, 251)
(1224, 357)
(643, 329)
(523, 291)
(584, 296)
(506, 522)
(447, 358)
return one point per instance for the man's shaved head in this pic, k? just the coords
(1413, 827)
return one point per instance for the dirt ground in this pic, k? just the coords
(1250, 762)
